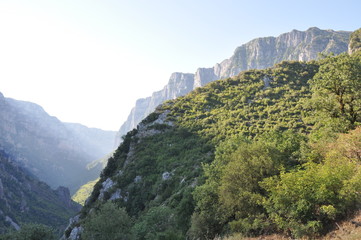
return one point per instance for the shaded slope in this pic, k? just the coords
(24, 199)
(55, 152)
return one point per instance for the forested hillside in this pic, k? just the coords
(267, 151)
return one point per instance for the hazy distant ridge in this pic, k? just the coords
(57, 153)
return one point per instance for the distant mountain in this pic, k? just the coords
(24, 199)
(259, 53)
(57, 153)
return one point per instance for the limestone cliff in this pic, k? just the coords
(259, 53)
(179, 84)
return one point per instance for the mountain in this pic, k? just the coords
(24, 199)
(274, 150)
(157, 166)
(56, 152)
(259, 53)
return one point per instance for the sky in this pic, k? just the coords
(88, 61)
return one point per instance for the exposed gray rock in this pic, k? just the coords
(146, 130)
(137, 179)
(106, 185)
(12, 223)
(166, 176)
(179, 84)
(266, 81)
(355, 42)
(259, 53)
(116, 195)
(75, 233)
(2, 195)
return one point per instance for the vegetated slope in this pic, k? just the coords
(24, 199)
(251, 154)
(259, 53)
(55, 152)
(85, 190)
(158, 165)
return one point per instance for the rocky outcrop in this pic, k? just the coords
(12, 223)
(355, 42)
(179, 84)
(1, 190)
(259, 53)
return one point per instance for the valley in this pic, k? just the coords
(266, 143)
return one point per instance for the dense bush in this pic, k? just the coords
(109, 222)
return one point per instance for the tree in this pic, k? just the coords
(109, 222)
(336, 87)
(306, 200)
(232, 194)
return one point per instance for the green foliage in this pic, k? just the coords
(336, 91)
(238, 154)
(108, 222)
(305, 200)
(31, 232)
(157, 223)
(232, 193)
(245, 105)
(84, 192)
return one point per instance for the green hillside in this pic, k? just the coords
(255, 154)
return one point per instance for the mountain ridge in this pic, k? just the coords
(57, 153)
(258, 53)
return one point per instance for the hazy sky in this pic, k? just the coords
(88, 61)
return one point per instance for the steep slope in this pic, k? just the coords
(259, 53)
(55, 152)
(24, 199)
(355, 42)
(155, 170)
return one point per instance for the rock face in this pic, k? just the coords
(179, 84)
(57, 153)
(259, 53)
(24, 199)
(355, 42)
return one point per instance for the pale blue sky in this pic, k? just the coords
(88, 61)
